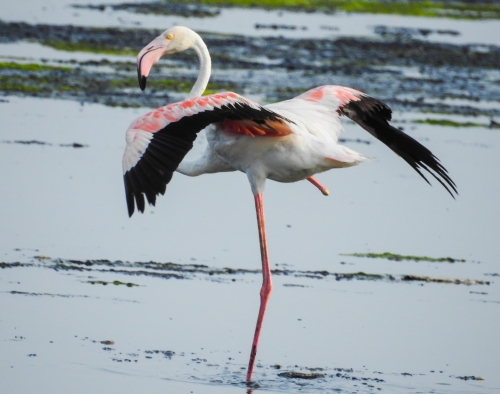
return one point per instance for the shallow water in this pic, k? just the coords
(399, 338)
(396, 336)
(68, 202)
(79, 181)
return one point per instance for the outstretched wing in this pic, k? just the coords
(373, 116)
(158, 141)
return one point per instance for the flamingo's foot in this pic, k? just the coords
(321, 188)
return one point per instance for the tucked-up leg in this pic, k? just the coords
(315, 182)
(267, 286)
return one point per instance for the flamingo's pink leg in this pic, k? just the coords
(315, 182)
(267, 285)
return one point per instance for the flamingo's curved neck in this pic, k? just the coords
(205, 68)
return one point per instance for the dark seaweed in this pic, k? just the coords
(277, 68)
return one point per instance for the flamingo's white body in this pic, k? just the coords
(287, 141)
(307, 148)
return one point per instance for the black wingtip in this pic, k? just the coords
(129, 197)
(372, 115)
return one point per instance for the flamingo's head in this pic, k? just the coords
(173, 40)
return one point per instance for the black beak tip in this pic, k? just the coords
(142, 82)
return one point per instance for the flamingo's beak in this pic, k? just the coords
(147, 57)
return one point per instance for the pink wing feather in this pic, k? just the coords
(158, 141)
(139, 133)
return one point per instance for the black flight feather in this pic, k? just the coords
(373, 115)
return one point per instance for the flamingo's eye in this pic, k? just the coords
(170, 36)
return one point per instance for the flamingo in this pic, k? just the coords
(286, 142)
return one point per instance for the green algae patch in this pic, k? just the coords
(449, 123)
(70, 46)
(190, 271)
(425, 9)
(20, 88)
(31, 67)
(470, 377)
(26, 293)
(270, 68)
(363, 276)
(456, 10)
(399, 257)
(428, 279)
(156, 8)
(116, 283)
(32, 84)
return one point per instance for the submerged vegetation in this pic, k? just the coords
(428, 279)
(192, 10)
(210, 8)
(115, 282)
(449, 9)
(301, 375)
(449, 123)
(31, 67)
(192, 271)
(112, 89)
(268, 69)
(79, 46)
(171, 85)
(363, 276)
(399, 257)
